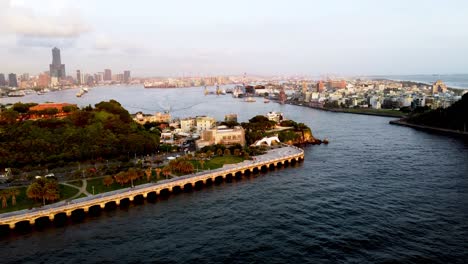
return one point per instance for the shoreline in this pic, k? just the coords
(275, 157)
(430, 128)
(337, 110)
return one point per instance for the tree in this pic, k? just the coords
(227, 152)
(108, 180)
(219, 152)
(166, 171)
(132, 174)
(5, 194)
(148, 173)
(13, 194)
(202, 163)
(209, 154)
(43, 189)
(158, 171)
(236, 152)
(121, 178)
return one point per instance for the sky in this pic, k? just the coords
(215, 37)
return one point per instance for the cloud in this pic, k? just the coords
(104, 43)
(25, 23)
(35, 29)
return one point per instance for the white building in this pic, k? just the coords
(204, 123)
(187, 124)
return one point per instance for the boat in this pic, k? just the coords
(266, 100)
(249, 100)
(80, 93)
(159, 85)
(40, 93)
(16, 94)
(238, 92)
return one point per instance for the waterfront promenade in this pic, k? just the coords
(273, 158)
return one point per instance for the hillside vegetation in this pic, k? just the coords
(104, 132)
(454, 117)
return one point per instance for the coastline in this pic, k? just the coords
(438, 130)
(274, 157)
(357, 112)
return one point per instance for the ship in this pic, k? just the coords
(80, 93)
(16, 94)
(238, 92)
(249, 100)
(158, 85)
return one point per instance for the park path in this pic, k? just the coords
(82, 189)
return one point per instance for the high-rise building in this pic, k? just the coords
(43, 80)
(2, 79)
(320, 87)
(78, 77)
(12, 80)
(57, 69)
(24, 77)
(107, 75)
(126, 77)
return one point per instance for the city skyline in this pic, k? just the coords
(263, 37)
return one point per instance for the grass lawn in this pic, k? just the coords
(23, 202)
(217, 162)
(67, 192)
(99, 186)
(77, 183)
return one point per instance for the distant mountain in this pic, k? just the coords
(454, 117)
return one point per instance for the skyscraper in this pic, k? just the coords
(57, 69)
(107, 75)
(78, 77)
(126, 77)
(12, 80)
(2, 79)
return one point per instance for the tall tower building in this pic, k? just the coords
(12, 80)
(57, 69)
(107, 75)
(126, 77)
(78, 77)
(2, 79)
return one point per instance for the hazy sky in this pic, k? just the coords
(191, 37)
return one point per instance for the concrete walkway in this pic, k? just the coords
(81, 190)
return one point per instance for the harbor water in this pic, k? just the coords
(377, 193)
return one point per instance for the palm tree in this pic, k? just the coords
(121, 178)
(158, 171)
(13, 194)
(132, 175)
(219, 152)
(148, 173)
(44, 190)
(5, 194)
(52, 193)
(107, 181)
(236, 152)
(227, 152)
(166, 171)
(202, 163)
